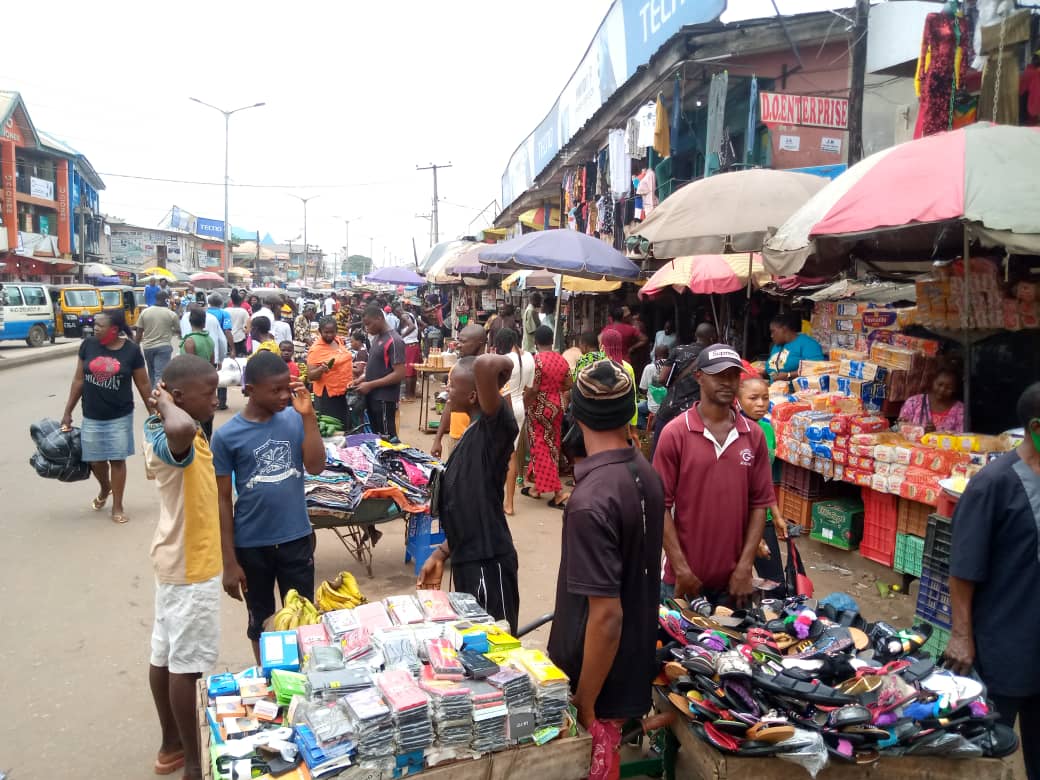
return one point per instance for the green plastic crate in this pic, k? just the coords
(938, 641)
(909, 552)
(838, 522)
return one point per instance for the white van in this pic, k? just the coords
(26, 313)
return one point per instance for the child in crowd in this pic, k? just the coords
(483, 558)
(198, 342)
(754, 403)
(288, 350)
(650, 386)
(260, 332)
(185, 555)
(266, 535)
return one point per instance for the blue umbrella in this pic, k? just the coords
(395, 275)
(562, 252)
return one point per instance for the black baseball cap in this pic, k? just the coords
(717, 358)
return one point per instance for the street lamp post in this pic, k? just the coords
(306, 246)
(227, 123)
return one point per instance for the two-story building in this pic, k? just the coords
(37, 176)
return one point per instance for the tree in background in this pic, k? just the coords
(357, 264)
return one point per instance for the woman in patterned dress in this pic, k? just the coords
(544, 401)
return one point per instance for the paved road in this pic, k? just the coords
(76, 599)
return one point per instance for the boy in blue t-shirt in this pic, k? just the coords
(266, 535)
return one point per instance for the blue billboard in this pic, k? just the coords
(209, 228)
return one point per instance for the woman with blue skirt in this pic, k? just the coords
(109, 363)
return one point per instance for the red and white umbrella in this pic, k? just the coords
(707, 274)
(906, 199)
(206, 278)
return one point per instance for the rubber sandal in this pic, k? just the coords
(730, 726)
(99, 503)
(526, 491)
(681, 703)
(849, 715)
(168, 763)
(120, 519)
(859, 638)
(673, 670)
(559, 505)
(716, 738)
(786, 683)
(839, 747)
(867, 756)
(771, 730)
(995, 739)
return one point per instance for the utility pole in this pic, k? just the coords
(428, 218)
(859, 75)
(306, 246)
(436, 221)
(81, 212)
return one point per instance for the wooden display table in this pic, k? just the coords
(425, 374)
(708, 763)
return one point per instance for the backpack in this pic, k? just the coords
(683, 389)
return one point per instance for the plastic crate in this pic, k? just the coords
(936, 644)
(909, 552)
(838, 522)
(947, 504)
(423, 534)
(913, 517)
(803, 482)
(938, 539)
(795, 508)
(880, 520)
(933, 598)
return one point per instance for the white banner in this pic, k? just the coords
(41, 188)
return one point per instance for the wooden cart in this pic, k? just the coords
(426, 394)
(707, 763)
(566, 758)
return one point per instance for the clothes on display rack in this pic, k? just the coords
(647, 190)
(619, 162)
(946, 50)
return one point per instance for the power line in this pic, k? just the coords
(251, 186)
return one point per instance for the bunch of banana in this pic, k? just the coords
(340, 593)
(295, 612)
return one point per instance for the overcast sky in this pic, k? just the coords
(358, 94)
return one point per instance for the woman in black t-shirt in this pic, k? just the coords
(108, 363)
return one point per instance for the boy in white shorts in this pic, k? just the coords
(185, 555)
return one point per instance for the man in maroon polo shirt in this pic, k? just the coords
(632, 338)
(717, 485)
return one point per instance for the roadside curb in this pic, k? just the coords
(39, 355)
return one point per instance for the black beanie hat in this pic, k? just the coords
(603, 396)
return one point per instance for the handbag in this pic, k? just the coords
(798, 581)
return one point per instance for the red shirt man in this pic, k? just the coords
(631, 336)
(717, 485)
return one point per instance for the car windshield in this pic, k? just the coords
(82, 298)
(112, 299)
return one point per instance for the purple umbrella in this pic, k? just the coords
(396, 275)
(562, 252)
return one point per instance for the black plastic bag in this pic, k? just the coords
(59, 454)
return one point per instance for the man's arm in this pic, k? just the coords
(490, 373)
(960, 650)
(313, 446)
(178, 424)
(444, 425)
(602, 639)
(740, 587)
(234, 576)
(137, 333)
(640, 342)
(686, 582)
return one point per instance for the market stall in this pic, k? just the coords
(416, 683)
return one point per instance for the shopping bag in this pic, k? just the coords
(59, 454)
(798, 581)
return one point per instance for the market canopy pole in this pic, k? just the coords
(858, 81)
(966, 379)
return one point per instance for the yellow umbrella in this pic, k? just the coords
(547, 281)
(157, 271)
(535, 218)
(237, 270)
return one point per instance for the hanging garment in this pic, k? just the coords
(603, 172)
(605, 215)
(647, 189)
(632, 139)
(662, 133)
(945, 52)
(620, 163)
(1029, 85)
(716, 122)
(1007, 89)
(647, 119)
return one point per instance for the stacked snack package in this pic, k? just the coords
(490, 716)
(552, 687)
(410, 707)
(371, 722)
(452, 710)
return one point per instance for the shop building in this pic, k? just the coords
(44, 182)
(134, 246)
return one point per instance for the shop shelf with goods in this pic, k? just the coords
(912, 517)
(838, 522)
(880, 518)
(909, 552)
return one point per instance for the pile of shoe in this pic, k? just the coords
(788, 675)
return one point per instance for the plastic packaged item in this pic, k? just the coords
(278, 650)
(436, 605)
(868, 425)
(308, 637)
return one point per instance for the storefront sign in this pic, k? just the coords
(779, 108)
(790, 143)
(11, 132)
(41, 188)
(629, 35)
(210, 228)
(830, 145)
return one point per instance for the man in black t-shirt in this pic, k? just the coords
(384, 373)
(483, 558)
(605, 627)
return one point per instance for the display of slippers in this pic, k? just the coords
(772, 728)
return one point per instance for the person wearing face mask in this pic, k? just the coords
(330, 368)
(109, 366)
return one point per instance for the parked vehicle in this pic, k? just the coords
(26, 313)
(121, 296)
(76, 306)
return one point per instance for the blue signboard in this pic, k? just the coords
(629, 35)
(209, 228)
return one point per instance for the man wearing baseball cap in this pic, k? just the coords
(715, 468)
(604, 632)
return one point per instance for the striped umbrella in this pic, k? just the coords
(707, 274)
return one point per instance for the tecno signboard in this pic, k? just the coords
(209, 228)
(779, 108)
